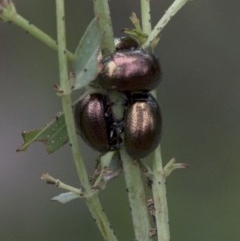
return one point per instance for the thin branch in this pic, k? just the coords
(51, 180)
(9, 14)
(173, 165)
(146, 16)
(101, 219)
(101, 10)
(66, 96)
(172, 10)
(160, 198)
(92, 201)
(137, 198)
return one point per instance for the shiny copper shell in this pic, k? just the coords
(93, 119)
(142, 125)
(132, 70)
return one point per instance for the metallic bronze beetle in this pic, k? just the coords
(125, 43)
(133, 71)
(130, 70)
(95, 124)
(142, 125)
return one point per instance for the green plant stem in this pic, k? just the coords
(101, 10)
(160, 197)
(158, 186)
(51, 180)
(132, 172)
(92, 201)
(66, 96)
(171, 11)
(100, 217)
(137, 198)
(10, 15)
(79, 163)
(146, 16)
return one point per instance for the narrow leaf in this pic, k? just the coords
(66, 197)
(53, 135)
(86, 64)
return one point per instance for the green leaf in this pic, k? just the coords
(86, 64)
(53, 135)
(65, 197)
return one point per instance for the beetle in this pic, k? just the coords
(95, 123)
(125, 43)
(142, 125)
(130, 70)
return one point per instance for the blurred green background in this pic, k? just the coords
(199, 96)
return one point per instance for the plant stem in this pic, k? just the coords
(158, 185)
(160, 197)
(66, 96)
(100, 217)
(146, 16)
(10, 15)
(132, 172)
(92, 201)
(51, 180)
(171, 11)
(137, 198)
(101, 10)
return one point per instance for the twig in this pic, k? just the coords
(173, 165)
(146, 16)
(8, 13)
(101, 10)
(160, 198)
(172, 10)
(92, 201)
(159, 193)
(66, 96)
(137, 199)
(51, 180)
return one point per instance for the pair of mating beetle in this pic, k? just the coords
(134, 72)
